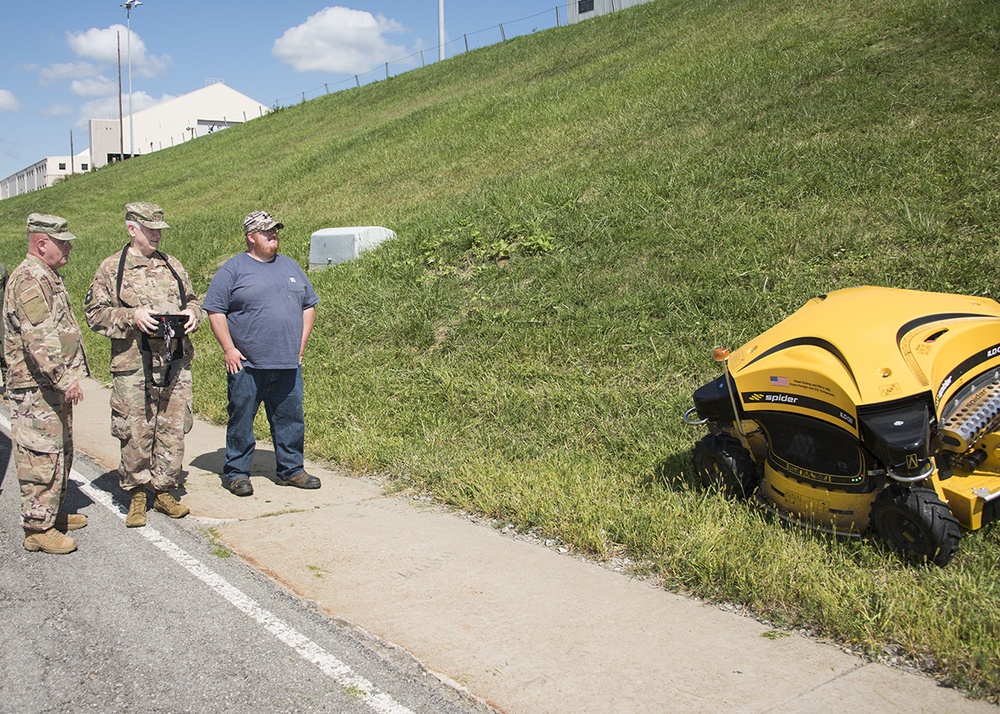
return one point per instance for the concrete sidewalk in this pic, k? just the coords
(518, 625)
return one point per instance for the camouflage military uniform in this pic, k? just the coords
(149, 421)
(45, 356)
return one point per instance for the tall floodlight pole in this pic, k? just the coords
(129, 4)
(441, 29)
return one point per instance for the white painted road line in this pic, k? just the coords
(306, 648)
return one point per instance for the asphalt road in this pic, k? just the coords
(163, 619)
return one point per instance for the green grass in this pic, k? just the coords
(583, 214)
(216, 547)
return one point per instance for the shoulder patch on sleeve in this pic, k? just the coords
(34, 305)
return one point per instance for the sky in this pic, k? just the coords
(60, 65)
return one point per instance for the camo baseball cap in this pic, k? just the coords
(148, 214)
(53, 226)
(260, 221)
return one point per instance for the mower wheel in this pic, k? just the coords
(917, 524)
(722, 462)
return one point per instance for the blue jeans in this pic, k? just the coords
(281, 392)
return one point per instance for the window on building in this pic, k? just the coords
(83, 167)
(585, 6)
(62, 166)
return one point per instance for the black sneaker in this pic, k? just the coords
(302, 480)
(241, 487)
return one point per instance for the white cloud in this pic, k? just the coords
(102, 46)
(107, 107)
(94, 87)
(65, 70)
(8, 102)
(339, 40)
(57, 110)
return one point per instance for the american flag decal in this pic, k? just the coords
(779, 381)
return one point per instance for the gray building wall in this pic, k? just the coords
(106, 141)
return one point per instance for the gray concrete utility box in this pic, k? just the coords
(331, 246)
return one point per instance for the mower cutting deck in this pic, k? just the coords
(867, 409)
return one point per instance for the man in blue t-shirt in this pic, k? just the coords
(261, 308)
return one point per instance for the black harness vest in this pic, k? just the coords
(168, 334)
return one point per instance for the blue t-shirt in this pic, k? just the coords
(263, 304)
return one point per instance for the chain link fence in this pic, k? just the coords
(464, 43)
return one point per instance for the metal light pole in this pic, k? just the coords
(440, 29)
(129, 4)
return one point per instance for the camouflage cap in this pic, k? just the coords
(148, 214)
(49, 225)
(260, 221)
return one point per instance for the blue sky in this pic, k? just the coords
(60, 66)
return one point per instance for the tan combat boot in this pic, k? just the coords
(136, 517)
(50, 541)
(165, 503)
(70, 521)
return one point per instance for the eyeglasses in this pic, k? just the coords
(61, 243)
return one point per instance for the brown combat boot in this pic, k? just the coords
(70, 521)
(136, 517)
(165, 503)
(50, 541)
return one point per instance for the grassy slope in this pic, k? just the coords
(582, 215)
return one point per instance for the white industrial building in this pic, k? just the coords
(44, 173)
(173, 122)
(582, 9)
(211, 108)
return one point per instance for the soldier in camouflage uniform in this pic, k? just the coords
(45, 363)
(150, 359)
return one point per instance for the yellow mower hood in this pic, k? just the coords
(865, 346)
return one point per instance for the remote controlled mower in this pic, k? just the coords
(867, 410)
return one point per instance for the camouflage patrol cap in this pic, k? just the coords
(148, 214)
(260, 221)
(53, 226)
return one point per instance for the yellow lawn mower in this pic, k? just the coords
(867, 410)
